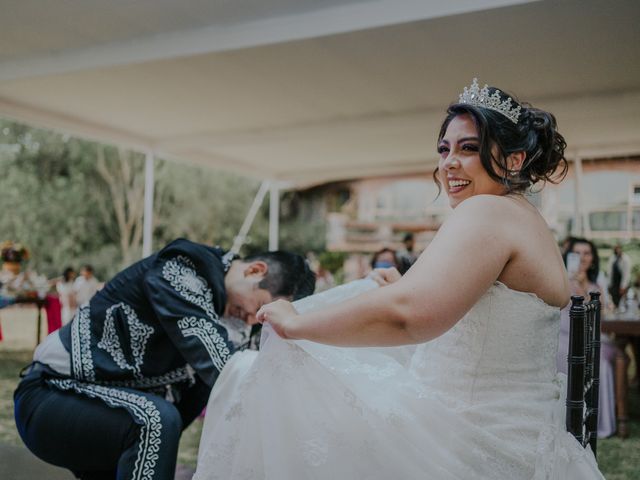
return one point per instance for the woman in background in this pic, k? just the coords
(67, 294)
(584, 279)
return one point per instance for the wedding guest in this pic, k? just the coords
(384, 258)
(582, 281)
(619, 270)
(481, 397)
(110, 393)
(67, 294)
(85, 286)
(406, 256)
(324, 279)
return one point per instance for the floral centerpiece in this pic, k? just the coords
(13, 253)
(13, 282)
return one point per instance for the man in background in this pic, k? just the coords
(619, 270)
(406, 256)
(85, 286)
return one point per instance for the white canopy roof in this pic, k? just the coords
(309, 91)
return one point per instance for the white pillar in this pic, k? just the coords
(630, 212)
(578, 224)
(274, 216)
(147, 229)
(549, 206)
(251, 215)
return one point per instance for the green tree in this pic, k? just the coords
(45, 197)
(73, 201)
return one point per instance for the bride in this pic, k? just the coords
(479, 397)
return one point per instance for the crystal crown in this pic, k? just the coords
(473, 95)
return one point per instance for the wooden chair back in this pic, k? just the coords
(584, 369)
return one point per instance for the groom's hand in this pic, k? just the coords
(280, 315)
(384, 276)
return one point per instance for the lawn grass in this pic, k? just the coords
(618, 459)
(188, 450)
(10, 365)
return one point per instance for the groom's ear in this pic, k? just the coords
(257, 268)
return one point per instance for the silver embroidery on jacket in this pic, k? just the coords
(227, 258)
(182, 374)
(139, 334)
(81, 345)
(181, 275)
(210, 338)
(139, 406)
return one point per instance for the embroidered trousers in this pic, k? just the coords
(101, 432)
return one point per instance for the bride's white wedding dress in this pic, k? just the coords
(482, 401)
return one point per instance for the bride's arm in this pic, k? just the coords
(461, 263)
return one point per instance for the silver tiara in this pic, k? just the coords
(480, 98)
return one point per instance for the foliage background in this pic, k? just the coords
(73, 201)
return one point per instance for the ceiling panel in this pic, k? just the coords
(358, 102)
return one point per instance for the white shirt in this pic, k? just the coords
(85, 289)
(51, 352)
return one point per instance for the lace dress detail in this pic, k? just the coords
(482, 401)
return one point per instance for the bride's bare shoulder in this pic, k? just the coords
(510, 219)
(487, 218)
(493, 208)
(491, 200)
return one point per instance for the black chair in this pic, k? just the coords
(584, 370)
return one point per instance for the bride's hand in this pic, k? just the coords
(384, 276)
(281, 315)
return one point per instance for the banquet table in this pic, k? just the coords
(51, 305)
(626, 329)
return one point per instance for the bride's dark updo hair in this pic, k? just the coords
(536, 134)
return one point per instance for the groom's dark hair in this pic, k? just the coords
(288, 276)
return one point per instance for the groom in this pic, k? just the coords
(109, 394)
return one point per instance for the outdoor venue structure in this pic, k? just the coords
(303, 92)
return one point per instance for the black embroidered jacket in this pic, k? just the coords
(156, 322)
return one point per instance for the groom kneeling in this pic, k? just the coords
(109, 394)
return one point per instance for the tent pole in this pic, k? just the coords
(251, 215)
(147, 229)
(578, 226)
(274, 216)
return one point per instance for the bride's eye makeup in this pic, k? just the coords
(443, 149)
(470, 147)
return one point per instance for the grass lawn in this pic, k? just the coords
(10, 365)
(618, 459)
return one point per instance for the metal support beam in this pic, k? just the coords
(578, 223)
(147, 229)
(274, 216)
(630, 212)
(251, 215)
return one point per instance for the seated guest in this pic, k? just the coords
(584, 279)
(384, 258)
